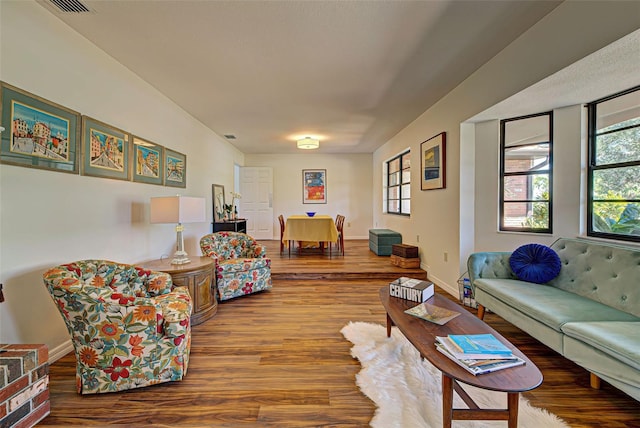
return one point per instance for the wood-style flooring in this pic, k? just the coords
(277, 359)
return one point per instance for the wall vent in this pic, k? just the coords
(70, 6)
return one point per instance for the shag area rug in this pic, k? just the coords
(407, 390)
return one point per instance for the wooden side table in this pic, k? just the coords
(199, 277)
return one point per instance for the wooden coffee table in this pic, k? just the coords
(422, 335)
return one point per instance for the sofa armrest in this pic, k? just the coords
(489, 265)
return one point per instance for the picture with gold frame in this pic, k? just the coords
(38, 133)
(105, 150)
(147, 161)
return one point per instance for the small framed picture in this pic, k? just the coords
(147, 161)
(175, 169)
(38, 133)
(314, 186)
(105, 150)
(433, 162)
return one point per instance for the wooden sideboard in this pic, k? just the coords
(199, 277)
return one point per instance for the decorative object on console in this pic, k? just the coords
(42, 134)
(147, 160)
(535, 263)
(314, 186)
(433, 162)
(105, 150)
(178, 209)
(129, 326)
(175, 169)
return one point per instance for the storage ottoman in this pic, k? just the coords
(381, 241)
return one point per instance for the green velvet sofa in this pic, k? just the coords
(589, 313)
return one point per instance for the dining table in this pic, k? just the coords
(303, 228)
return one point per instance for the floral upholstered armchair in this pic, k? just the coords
(129, 326)
(241, 263)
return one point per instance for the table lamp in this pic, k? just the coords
(178, 209)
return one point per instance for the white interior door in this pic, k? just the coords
(256, 205)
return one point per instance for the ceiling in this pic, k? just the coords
(352, 73)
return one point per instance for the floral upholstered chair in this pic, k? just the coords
(241, 263)
(129, 326)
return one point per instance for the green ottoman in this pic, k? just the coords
(381, 240)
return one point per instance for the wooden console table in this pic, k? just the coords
(199, 277)
(231, 226)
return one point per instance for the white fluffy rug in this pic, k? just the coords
(407, 389)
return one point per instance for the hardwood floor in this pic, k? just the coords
(277, 359)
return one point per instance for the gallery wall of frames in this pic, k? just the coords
(42, 134)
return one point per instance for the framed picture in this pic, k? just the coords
(433, 162)
(314, 186)
(175, 169)
(218, 202)
(105, 150)
(38, 133)
(147, 161)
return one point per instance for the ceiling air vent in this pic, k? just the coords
(229, 136)
(70, 6)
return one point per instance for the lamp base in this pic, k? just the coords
(180, 258)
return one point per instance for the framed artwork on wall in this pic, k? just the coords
(105, 150)
(38, 133)
(433, 162)
(314, 186)
(175, 169)
(147, 161)
(218, 202)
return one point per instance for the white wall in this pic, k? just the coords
(555, 42)
(47, 217)
(349, 187)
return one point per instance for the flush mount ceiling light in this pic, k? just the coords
(308, 143)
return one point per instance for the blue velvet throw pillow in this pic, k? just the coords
(535, 263)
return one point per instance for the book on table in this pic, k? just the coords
(458, 352)
(478, 367)
(432, 313)
(412, 289)
(479, 344)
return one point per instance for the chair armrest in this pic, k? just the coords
(176, 308)
(489, 265)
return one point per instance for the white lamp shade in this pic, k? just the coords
(177, 209)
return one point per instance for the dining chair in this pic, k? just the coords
(281, 220)
(340, 226)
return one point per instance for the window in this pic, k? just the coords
(526, 173)
(399, 184)
(613, 209)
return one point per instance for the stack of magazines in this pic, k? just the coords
(477, 353)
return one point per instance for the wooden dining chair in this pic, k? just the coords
(340, 226)
(281, 220)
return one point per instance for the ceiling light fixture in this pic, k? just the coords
(308, 143)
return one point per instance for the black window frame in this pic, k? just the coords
(400, 198)
(592, 116)
(503, 174)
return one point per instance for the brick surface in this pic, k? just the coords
(13, 388)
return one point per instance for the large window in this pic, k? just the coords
(614, 167)
(399, 184)
(526, 173)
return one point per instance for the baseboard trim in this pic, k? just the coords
(60, 351)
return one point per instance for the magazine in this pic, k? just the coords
(477, 367)
(453, 349)
(479, 344)
(432, 313)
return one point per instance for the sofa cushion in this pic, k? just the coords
(619, 339)
(535, 263)
(549, 305)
